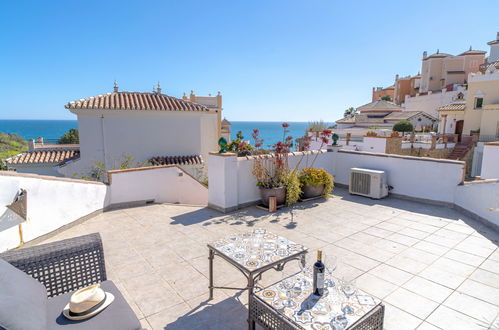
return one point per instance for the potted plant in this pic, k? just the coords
(315, 182)
(371, 133)
(271, 171)
(394, 134)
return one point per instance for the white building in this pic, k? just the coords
(431, 102)
(144, 126)
(382, 114)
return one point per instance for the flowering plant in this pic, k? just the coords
(270, 172)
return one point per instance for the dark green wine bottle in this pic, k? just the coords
(319, 275)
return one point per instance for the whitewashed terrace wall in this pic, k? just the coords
(162, 184)
(490, 161)
(480, 198)
(418, 177)
(52, 203)
(232, 183)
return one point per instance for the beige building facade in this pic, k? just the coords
(440, 70)
(482, 104)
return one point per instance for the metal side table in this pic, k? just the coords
(253, 253)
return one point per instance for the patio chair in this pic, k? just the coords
(56, 270)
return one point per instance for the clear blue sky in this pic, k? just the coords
(272, 60)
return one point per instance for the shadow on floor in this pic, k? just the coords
(226, 314)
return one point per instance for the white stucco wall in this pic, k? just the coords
(143, 135)
(167, 184)
(481, 198)
(40, 170)
(419, 177)
(431, 102)
(490, 161)
(52, 203)
(374, 144)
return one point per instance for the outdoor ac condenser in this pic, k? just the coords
(369, 183)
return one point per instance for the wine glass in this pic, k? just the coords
(331, 263)
(306, 270)
(288, 284)
(349, 289)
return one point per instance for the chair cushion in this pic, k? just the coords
(23, 300)
(118, 315)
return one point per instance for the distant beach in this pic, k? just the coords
(270, 131)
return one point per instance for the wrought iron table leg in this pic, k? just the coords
(210, 257)
(251, 284)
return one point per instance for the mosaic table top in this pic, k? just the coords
(257, 249)
(313, 312)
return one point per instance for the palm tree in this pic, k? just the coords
(350, 111)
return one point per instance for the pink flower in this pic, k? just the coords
(325, 140)
(285, 125)
(326, 132)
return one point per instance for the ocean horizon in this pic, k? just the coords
(270, 131)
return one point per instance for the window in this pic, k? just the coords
(478, 102)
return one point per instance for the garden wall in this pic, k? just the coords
(161, 184)
(51, 203)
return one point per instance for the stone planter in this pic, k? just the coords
(311, 191)
(279, 193)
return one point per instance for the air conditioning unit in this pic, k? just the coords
(369, 183)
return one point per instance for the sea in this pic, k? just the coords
(51, 130)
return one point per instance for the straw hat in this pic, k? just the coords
(87, 302)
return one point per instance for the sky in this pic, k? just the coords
(272, 60)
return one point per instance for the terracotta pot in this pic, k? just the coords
(279, 193)
(310, 191)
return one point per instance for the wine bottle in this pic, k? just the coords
(319, 275)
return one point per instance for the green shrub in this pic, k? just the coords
(71, 137)
(403, 126)
(317, 177)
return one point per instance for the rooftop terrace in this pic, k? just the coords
(432, 266)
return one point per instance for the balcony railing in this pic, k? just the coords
(488, 138)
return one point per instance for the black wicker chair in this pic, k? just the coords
(68, 265)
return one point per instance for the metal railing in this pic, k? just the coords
(488, 138)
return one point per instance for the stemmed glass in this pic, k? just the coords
(349, 289)
(306, 269)
(288, 284)
(331, 262)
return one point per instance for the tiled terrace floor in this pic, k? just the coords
(432, 266)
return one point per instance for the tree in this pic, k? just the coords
(403, 126)
(350, 111)
(386, 98)
(71, 137)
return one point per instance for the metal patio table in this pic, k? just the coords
(310, 311)
(253, 253)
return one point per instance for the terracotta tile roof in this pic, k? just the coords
(135, 101)
(380, 106)
(55, 156)
(176, 160)
(357, 119)
(405, 115)
(453, 106)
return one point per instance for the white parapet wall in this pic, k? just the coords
(55, 202)
(480, 198)
(231, 181)
(51, 203)
(159, 184)
(417, 177)
(490, 161)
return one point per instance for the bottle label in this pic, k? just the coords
(320, 280)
